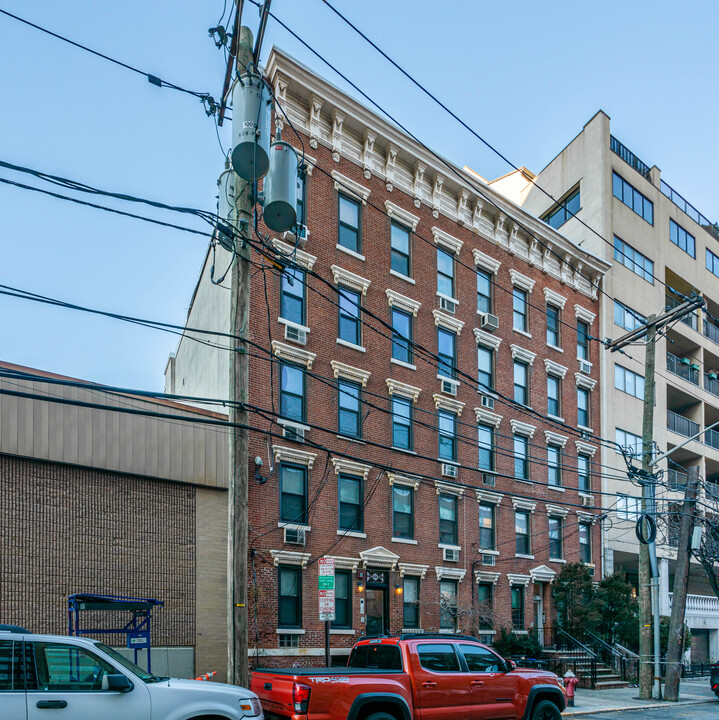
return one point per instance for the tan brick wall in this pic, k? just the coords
(211, 588)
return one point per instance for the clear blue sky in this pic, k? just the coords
(526, 75)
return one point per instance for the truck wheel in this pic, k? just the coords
(380, 716)
(546, 710)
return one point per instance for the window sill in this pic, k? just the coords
(357, 441)
(488, 552)
(293, 526)
(555, 417)
(402, 277)
(444, 546)
(523, 480)
(412, 630)
(486, 632)
(289, 631)
(292, 323)
(522, 332)
(345, 343)
(342, 631)
(555, 347)
(402, 363)
(556, 488)
(558, 560)
(405, 541)
(521, 632)
(352, 534)
(352, 253)
(584, 428)
(524, 557)
(585, 493)
(404, 450)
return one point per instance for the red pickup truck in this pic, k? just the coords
(422, 677)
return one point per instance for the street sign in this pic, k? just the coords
(326, 588)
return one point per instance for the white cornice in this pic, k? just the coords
(521, 504)
(584, 314)
(348, 372)
(554, 368)
(515, 579)
(585, 448)
(402, 216)
(487, 339)
(411, 569)
(586, 517)
(542, 573)
(448, 488)
(395, 479)
(519, 353)
(556, 510)
(287, 557)
(521, 281)
(346, 185)
(345, 563)
(554, 298)
(441, 402)
(447, 573)
(350, 467)
(349, 279)
(396, 387)
(522, 428)
(585, 381)
(379, 557)
(488, 497)
(486, 417)
(302, 258)
(555, 438)
(288, 454)
(447, 321)
(402, 302)
(485, 576)
(485, 261)
(293, 354)
(447, 241)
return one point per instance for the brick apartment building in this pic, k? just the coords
(445, 505)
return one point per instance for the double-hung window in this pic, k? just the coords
(302, 198)
(486, 526)
(585, 542)
(682, 239)
(553, 396)
(484, 292)
(553, 325)
(445, 273)
(519, 310)
(448, 605)
(350, 303)
(447, 422)
(582, 340)
(485, 368)
(518, 607)
(521, 382)
(293, 494)
(292, 295)
(350, 503)
(555, 538)
(401, 336)
(632, 198)
(343, 599)
(400, 241)
(402, 512)
(410, 606)
(554, 465)
(485, 605)
(521, 457)
(447, 351)
(486, 446)
(289, 611)
(522, 534)
(349, 232)
(402, 435)
(292, 393)
(584, 473)
(448, 519)
(583, 407)
(350, 412)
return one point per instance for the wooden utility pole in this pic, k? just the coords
(238, 645)
(646, 669)
(681, 582)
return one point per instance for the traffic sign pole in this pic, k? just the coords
(326, 595)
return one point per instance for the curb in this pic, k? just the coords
(624, 708)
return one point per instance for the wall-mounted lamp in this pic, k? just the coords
(398, 589)
(258, 465)
(360, 587)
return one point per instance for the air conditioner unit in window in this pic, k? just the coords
(587, 500)
(294, 536)
(298, 234)
(488, 402)
(292, 432)
(450, 554)
(449, 387)
(488, 560)
(296, 334)
(449, 470)
(447, 304)
(585, 367)
(489, 322)
(488, 479)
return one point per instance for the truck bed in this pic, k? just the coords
(334, 670)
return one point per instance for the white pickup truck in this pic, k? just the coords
(43, 677)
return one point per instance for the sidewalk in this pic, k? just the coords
(691, 692)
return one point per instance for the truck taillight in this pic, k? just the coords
(301, 697)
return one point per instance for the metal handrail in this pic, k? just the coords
(576, 642)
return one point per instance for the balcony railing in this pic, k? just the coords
(692, 319)
(628, 156)
(689, 209)
(711, 384)
(677, 479)
(700, 604)
(681, 425)
(711, 331)
(711, 438)
(683, 368)
(712, 490)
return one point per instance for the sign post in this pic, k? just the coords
(326, 591)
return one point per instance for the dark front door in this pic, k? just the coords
(377, 602)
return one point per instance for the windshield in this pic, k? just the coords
(145, 676)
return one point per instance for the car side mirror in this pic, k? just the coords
(117, 683)
(510, 665)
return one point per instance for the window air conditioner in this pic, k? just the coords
(587, 500)
(296, 334)
(488, 402)
(488, 560)
(585, 367)
(292, 432)
(489, 322)
(449, 470)
(450, 554)
(449, 387)
(488, 479)
(294, 536)
(447, 304)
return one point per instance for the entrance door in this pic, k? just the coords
(376, 618)
(539, 617)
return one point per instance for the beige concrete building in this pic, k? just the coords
(654, 238)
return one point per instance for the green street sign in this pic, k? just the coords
(326, 582)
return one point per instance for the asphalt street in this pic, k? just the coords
(705, 711)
